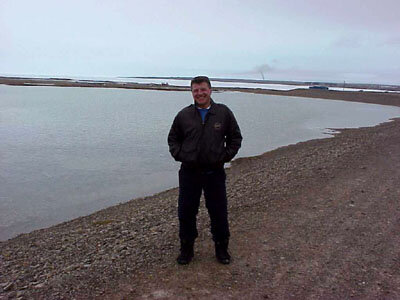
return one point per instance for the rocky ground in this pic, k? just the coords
(315, 220)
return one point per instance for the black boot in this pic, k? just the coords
(221, 252)
(187, 252)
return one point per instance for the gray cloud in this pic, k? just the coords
(393, 41)
(348, 42)
(156, 37)
(354, 14)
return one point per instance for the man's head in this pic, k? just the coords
(201, 91)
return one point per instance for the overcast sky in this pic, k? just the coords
(352, 40)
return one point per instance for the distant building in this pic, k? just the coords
(319, 87)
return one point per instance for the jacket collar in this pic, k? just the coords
(212, 107)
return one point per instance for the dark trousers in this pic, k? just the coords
(191, 184)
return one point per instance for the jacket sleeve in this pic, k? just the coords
(233, 138)
(175, 139)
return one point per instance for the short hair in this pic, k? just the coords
(200, 79)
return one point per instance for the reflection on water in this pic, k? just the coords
(67, 152)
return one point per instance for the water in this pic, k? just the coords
(67, 152)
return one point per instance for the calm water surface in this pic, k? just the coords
(67, 152)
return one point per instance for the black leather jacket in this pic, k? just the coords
(205, 145)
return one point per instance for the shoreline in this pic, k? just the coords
(294, 93)
(381, 98)
(103, 253)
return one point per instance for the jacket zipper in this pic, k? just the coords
(203, 123)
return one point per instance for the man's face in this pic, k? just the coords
(201, 94)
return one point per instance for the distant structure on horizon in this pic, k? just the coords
(318, 87)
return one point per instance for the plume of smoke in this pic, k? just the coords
(262, 69)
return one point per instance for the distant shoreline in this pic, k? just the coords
(382, 98)
(351, 85)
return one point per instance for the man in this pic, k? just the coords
(203, 136)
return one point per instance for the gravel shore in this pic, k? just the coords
(315, 220)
